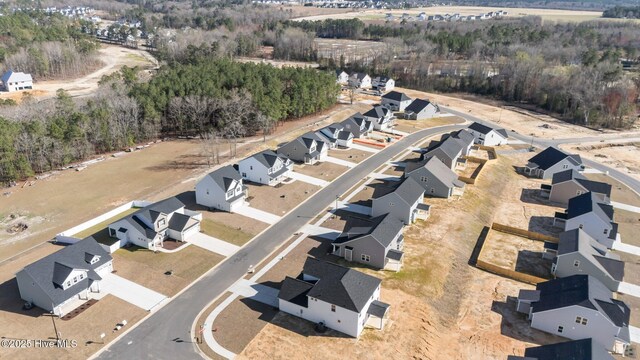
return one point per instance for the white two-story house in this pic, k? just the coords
(265, 167)
(221, 189)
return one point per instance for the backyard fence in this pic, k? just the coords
(472, 179)
(524, 233)
(512, 274)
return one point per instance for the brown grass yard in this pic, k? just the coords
(102, 227)
(619, 191)
(147, 268)
(629, 225)
(234, 231)
(412, 126)
(280, 200)
(351, 155)
(325, 170)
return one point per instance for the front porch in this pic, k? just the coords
(421, 212)
(378, 313)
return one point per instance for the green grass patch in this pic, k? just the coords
(225, 232)
(98, 230)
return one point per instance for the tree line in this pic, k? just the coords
(622, 12)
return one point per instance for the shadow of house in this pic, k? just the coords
(532, 196)
(473, 260)
(532, 263)
(304, 327)
(11, 302)
(543, 225)
(380, 188)
(516, 325)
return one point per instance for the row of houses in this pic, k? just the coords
(359, 80)
(579, 303)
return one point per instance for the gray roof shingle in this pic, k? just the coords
(551, 156)
(382, 229)
(396, 96)
(225, 176)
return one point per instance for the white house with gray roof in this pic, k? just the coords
(420, 109)
(304, 149)
(579, 253)
(380, 117)
(550, 161)
(221, 189)
(405, 203)
(16, 81)
(336, 135)
(377, 242)
(265, 167)
(342, 77)
(578, 307)
(570, 183)
(150, 226)
(435, 177)
(383, 83)
(594, 217)
(58, 281)
(583, 349)
(395, 101)
(488, 136)
(342, 299)
(360, 81)
(451, 149)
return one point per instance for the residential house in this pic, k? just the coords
(380, 117)
(360, 81)
(395, 101)
(435, 177)
(579, 253)
(421, 109)
(451, 149)
(16, 81)
(150, 226)
(570, 183)
(265, 167)
(488, 136)
(58, 282)
(377, 242)
(583, 349)
(336, 135)
(342, 77)
(422, 16)
(550, 161)
(405, 203)
(322, 144)
(301, 149)
(221, 189)
(340, 298)
(578, 307)
(587, 212)
(383, 83)
(358, 125)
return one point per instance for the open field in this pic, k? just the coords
(546, 14)
(349, 50)
(623, 156)
(114, 58)
(148, 268)
(440, 306)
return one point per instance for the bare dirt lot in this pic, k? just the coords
(279, 199)
(114, 58)
(349, 50)
(516, 253)
(622, 156)
(351, 155)
(324, 170)
(411, 126)
(546, 14)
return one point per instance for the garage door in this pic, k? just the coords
(189, 232)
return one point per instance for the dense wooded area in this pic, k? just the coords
(622, 12)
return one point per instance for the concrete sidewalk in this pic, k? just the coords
(627, 207)
(130, 292)
(364, 148)
(341, 162)
(258, 292)
(365, 210)
(308, 179)
(257, 214)
(212, 244)
(319, 231)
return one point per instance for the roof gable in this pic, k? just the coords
(225, 176)
(551, 156)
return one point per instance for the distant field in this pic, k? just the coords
(546, 14)
(352, 50)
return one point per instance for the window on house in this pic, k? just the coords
(576, 263)
(230, 193)
(579, 192)
(390, 204)
(565, 166)
(365, 258)
(560, 329)
(581, 226)
(333, 308)
(424, 178)
(580, 320)
(75, 280)
(432, 190)
(81, 276)
(244, 175)
(605, 231)
(250, 167)
(68, 283)
(207, 191)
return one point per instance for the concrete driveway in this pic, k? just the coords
(341, 162)
(258, 292)
(212, 244)
(363, 148)
(308, 179)
(258, 214)
(130, 292)
(355, 208)
(629, 289)
(629, 249)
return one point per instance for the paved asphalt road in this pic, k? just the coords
(544, 143)
(165, 334)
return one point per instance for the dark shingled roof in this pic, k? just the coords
(341, 286)
(577, 240)
(614, 267)
(417, 105)
(616, 310)
(224, 176)
(566, 175)
(345, 135)
(571, 350)
(295, 291)
(551, 156)
(179, 222)
(378, 309)
(409, 191)
(396, 96)
(383, 229)
(483, 129)
(377, 111)
(590, 185)
(268, 158)
(586, 203)
(49, 272)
